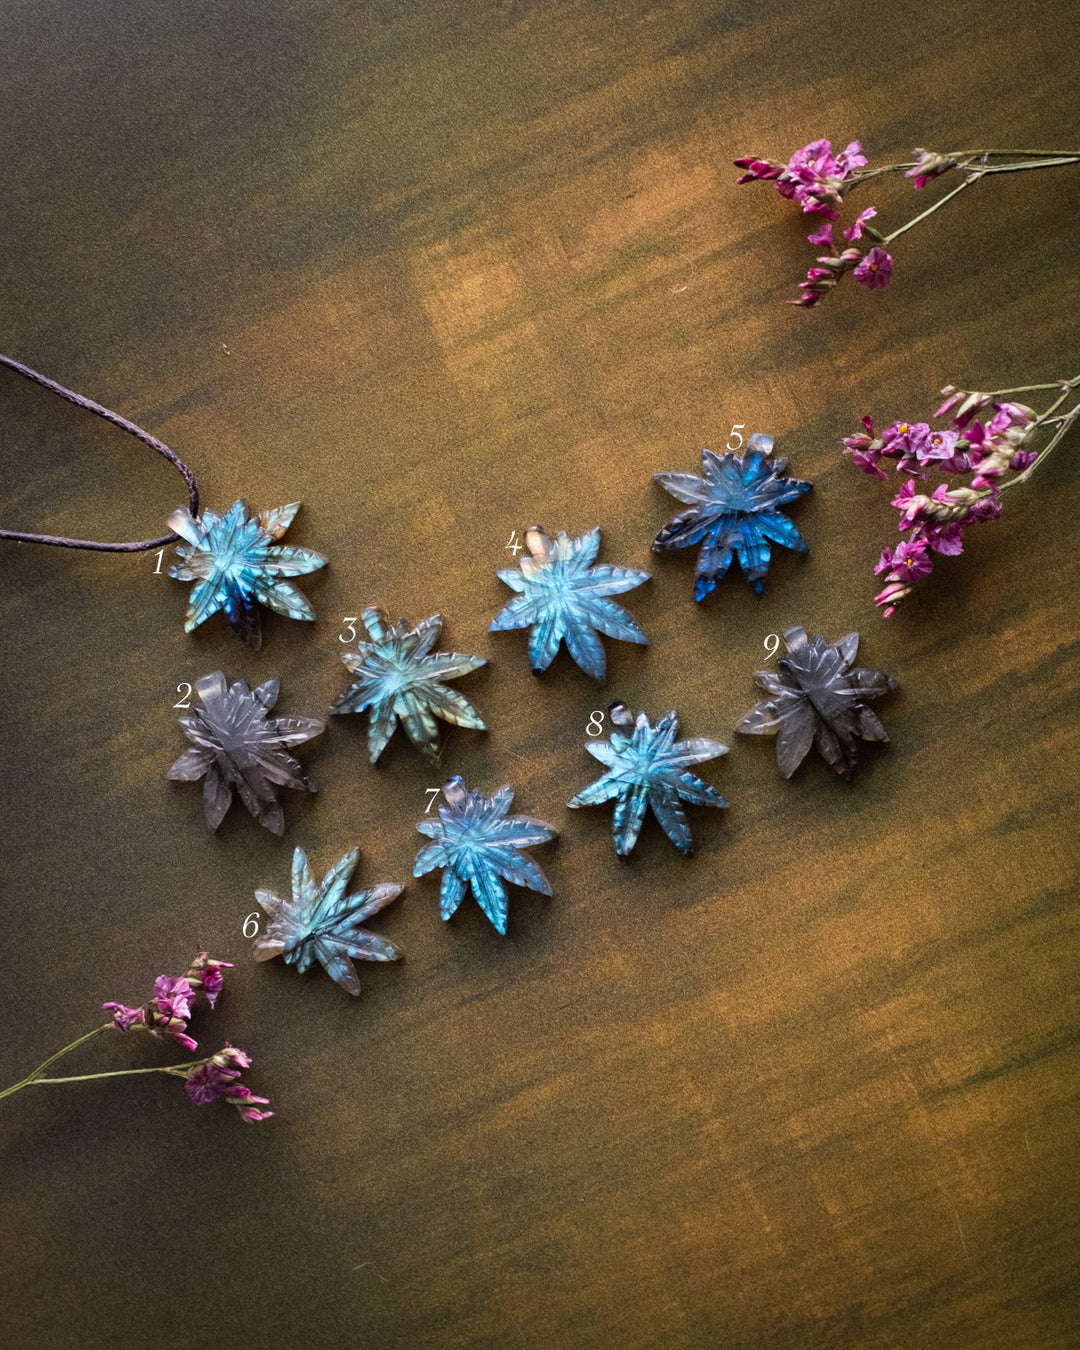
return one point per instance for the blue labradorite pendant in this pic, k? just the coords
(321, 923)
(647, 766)
(237, 566)
(562, 596)
(479, 845)
(733, 513)
(398, 677)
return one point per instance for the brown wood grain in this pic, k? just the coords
(440, 271)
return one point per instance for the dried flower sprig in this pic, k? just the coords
(993, 457)
(166, 1015)
(818, 181)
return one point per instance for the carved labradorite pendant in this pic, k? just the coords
(236, 566)
(647, 767)
(479, 845)
(562, 596)
(322, 923)
(733, 513)
(237, 747)
(817, 697)
(398, 677)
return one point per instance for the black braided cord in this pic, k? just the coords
(140, 546)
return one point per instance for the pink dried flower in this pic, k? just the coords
(217, 1078)
(823, 237)
(758, 169)
(943, 450)
(814, 177)
(875, 270)
(865, 449)
(1009, 417)
(891, 596)
(207, 1083)
(124, 1018)
(825, 276)
(205, 974)
(967, 402)
(231, 1058)
(173, 997)
(934, 522)
(855, 229)
(246, 1103)
(943, 537)
(167, 1013)
(955, 398)
(909, 559)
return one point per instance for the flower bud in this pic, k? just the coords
(891, 596)
(930, 165)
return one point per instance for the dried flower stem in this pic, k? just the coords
(929, 210)
(213, 1078)
(112, 1073)
(35, 1077)
(1064, 423)
(819, 182)
(1049, 158)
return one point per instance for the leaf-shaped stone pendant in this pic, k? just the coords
(479, 845)
(816, 697)
(563, 596)
(237, 566)
(238, 747)
(398, 677)
(647, 767)
(321, 923)
(733, 513)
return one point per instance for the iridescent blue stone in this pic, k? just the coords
(237, 566)
(733, 513)
(322, 923)
(647, 767)
(817, 697)
(562, 596)
(479, 845)
(400, 677)
(236, 746)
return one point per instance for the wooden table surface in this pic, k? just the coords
(440, 271)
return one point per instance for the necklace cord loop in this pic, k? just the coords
(142, 545)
